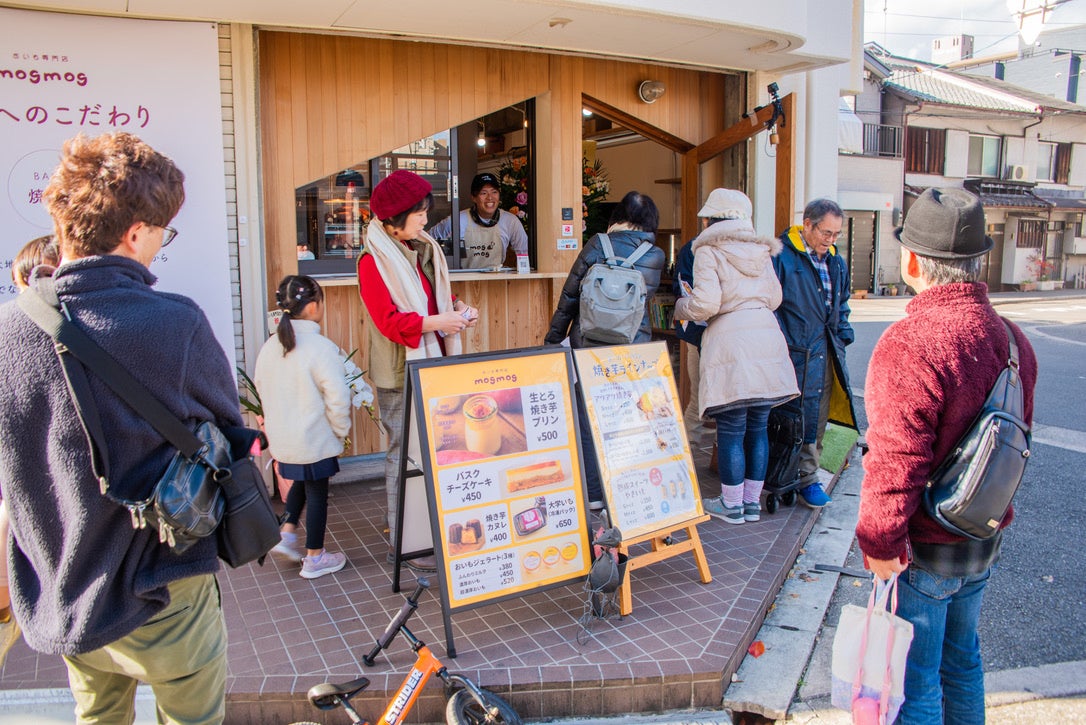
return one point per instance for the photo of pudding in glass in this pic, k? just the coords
(474, 426)
(482, 430)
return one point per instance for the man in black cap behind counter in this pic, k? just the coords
(486, 231)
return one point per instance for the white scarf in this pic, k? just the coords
(404, 286)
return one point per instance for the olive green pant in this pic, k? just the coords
(180, 653)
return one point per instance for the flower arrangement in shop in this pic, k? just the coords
(595, 186)
(513, 177)
(1040, 268)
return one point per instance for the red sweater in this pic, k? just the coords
(928, 378)
(403, 328)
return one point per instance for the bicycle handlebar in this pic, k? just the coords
(397, 623)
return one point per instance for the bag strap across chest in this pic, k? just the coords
(73, 346)
(612, 260)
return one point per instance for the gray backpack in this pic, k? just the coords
(613, 298)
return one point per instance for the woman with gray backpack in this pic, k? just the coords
(603, 304)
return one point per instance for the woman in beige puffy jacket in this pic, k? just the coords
(745, 368)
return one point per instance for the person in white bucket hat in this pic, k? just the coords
(745, 368)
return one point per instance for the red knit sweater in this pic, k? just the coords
(928, 378)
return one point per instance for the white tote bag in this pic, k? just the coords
(869, 653)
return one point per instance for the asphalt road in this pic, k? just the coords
(1032, 613)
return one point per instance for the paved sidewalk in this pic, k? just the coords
(675, 651)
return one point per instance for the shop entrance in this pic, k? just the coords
(859, 248)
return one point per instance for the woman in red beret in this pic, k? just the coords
(411, 312)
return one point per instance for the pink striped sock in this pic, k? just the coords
(751, 490)
(732, 495)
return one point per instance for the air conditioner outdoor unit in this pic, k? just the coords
(1016, 172)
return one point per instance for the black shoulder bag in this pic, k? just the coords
(212, 485)
(971, 490)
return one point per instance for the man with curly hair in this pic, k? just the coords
(87, 582)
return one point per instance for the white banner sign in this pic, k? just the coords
(62, 75)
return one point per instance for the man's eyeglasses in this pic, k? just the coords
(168, 235)
(827, 234)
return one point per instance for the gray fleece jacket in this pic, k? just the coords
(81, 576)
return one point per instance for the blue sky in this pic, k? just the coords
(907, 27)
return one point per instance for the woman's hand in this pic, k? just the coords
(448, 323)
(470, 313)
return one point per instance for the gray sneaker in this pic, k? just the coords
(752, 511)
(715, 507)
(328, 562)
(287, 552)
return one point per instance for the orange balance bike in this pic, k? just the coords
(468, 704)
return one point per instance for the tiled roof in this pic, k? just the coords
(1002, 194)
(1062, 201)
(1005, 194)
(924, 82)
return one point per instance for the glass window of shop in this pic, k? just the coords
(332, 212)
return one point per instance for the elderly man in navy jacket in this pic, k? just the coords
(86, 582)
(814, 318)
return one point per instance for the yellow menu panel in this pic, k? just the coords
(506, 475)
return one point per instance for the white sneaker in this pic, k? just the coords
(328, 562)
(287, 551)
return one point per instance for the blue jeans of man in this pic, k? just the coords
(944, 680)
(742, 444)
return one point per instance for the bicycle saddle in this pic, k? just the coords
(327, 695)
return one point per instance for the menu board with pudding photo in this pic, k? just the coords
(509, 506)
(632, 405)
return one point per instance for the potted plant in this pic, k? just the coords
(1042, 270)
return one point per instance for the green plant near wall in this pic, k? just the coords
(249, 396)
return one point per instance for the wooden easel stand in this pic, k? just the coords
(660, 551)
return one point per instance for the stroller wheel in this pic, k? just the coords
(771, 503)
(789, 499)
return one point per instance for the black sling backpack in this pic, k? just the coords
(971, 490)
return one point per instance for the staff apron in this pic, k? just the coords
(483, 246)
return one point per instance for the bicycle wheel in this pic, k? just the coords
(462, 709)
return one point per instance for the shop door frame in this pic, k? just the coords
(696, 155)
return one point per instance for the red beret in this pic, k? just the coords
(398, 192)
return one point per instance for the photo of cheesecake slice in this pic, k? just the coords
(533, 476)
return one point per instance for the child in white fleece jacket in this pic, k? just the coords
(307, 404)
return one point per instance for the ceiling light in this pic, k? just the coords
(586, 113)
(650, 91)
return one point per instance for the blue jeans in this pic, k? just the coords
(742, 444)
(944, 680)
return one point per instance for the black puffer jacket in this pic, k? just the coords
(651, 264)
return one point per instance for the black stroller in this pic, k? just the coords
(785, 440)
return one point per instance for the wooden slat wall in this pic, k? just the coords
(328, 102)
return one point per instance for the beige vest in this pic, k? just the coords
(483, 246)
(387, 358)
